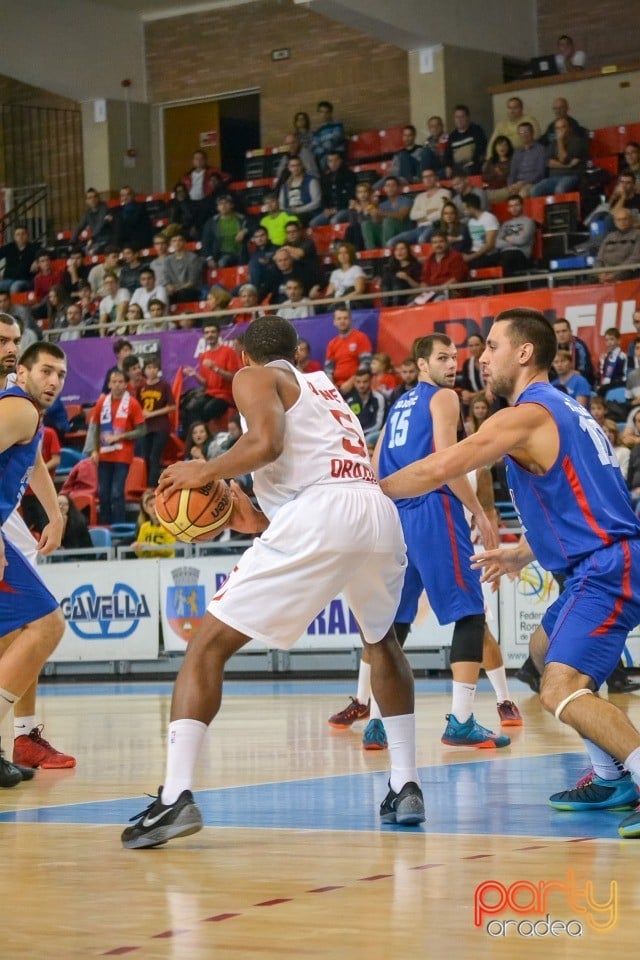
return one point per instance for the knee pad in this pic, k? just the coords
(402, 632)
(567, 700)
(468, 634)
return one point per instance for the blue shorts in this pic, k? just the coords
(438, 551)
(23, 596)
(588, 624)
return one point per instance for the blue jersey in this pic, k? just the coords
(408, 436)
(16, 463)
(581, 503)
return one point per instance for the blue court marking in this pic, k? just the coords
(497, 797)
(246, 688)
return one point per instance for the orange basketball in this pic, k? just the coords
(194, 515)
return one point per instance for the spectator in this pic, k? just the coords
(560, 107)
(133, 375)
(82, 479)
(384, 221)
(568, 58)
(471, 376)
(479, 411)
(46, 278)
(158, 314)
(183, 271)
(89, 310)
(224, 236)
(296, 306)
(260, 259)
(218, 298)
(247, 299)
(633, 356)
(149, 290)
(337, 189)
(347, 281)
(444, 266)
(129, 276)
(203, 182)
(406, 165)
(368, 405)
(571, 382)
(217, 367)
(580, 356)
(19, 258)
(461, 188)
(132, 226)
(300, 194)
(303, 252)
(454, 229)
(613, 363)
(294, 148)
(113, 305)
(383, 378)
(57, 303)
(304, 361)
(121, 348)
(75, 274)
(75, 531)
(528, 164)
(598, 410)
(30, 330)
(402, 271)
(183, 214)
(622, 453)
(150, 533)
(302, 128)
(566, 162)
(275, 220)
(284, 268)
(72, 327)
(510, 127)
(348, 352)
(133, 319)
(360, 210)
(619, 247)
(159, 262)
(496, 169)
(466, 145)
(328, 137)
(625, 195)
(408, 377)
(483, 228)
(95, 229)
(435, 145)
(632, 160)
(631, 440)
(115, 423)
(515, 240)
(197, 441)
(157, 402)
(425, 210)
(111, 265)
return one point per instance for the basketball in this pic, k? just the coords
(195, 515)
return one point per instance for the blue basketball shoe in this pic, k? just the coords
(593, 793)
(472, 734)
(629, 828)
(374, 736)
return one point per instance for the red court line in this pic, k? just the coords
(273, 903)
(167, 934)
(119, 951)
(427, 866)
(479, 856)
(324, 889)
(376, 876)
(221, 916)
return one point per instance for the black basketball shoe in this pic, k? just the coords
(406, 807)
(160, 823)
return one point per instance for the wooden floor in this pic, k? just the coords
(293, 862)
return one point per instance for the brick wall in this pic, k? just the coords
(212, 53)
(608, 31)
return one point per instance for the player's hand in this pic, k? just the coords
(187, 475)
(487, 531)
(244, 516)
(51, 537)
(495, 563)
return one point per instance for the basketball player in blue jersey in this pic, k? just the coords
(30, 618)
(437, 533)
(575, 510)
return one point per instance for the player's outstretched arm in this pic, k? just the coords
(504, 560)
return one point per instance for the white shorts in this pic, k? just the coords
(17, 533)
(331, 539)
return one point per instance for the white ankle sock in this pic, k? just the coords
(401, 735)
(7, 701)
(632, 764)
(183, 747)
(374, 711)
(462, 700)
(364, 682)
(498, 680)
(603, 763)
(22, 726)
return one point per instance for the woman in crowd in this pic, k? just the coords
(302, 128)
(347, 281)
(496, 170)
(383, 378)
(57, 303)
(479, 411)
(454, 230)
(197, 441)
(75, 530)
(401, 272)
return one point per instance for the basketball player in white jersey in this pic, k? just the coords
(30, 748)
(326, 529)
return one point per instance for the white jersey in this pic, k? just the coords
(323, 444)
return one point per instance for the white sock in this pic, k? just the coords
(183, 747)
(632, 764)
(364, 682)
(498, 680)
(462, 700)
(401, 734)
(7, 701)
(22, 726)
(374, 710)
(603, 763)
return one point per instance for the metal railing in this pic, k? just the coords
(26, 207)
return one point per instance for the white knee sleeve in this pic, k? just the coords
(572, 696)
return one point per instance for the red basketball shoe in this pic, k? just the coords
(32, 750)
(355, 711)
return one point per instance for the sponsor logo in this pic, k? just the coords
(108, 616)
(185, 602)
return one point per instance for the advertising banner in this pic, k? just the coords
(523, 602)
(110, 608)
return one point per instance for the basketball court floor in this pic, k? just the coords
(293, 861)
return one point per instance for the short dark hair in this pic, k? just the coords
(154, 359)
(147, 270)
(612, 332)
(423, 347)
(472, 200)
(119, 344)
(391, 177)
(438, 233)
(562, 320)
(461, 106)
(111, 249)
(363, 372)
(410, 126)
(524, 123)
(34, 351)
(129, 362)
(531, 326)
(271, 338)
(325, 103)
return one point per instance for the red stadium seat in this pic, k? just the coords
(136, 482)
(607, 140)
(86, 501)
(364, 144)
(391, 140)
(325, 237)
